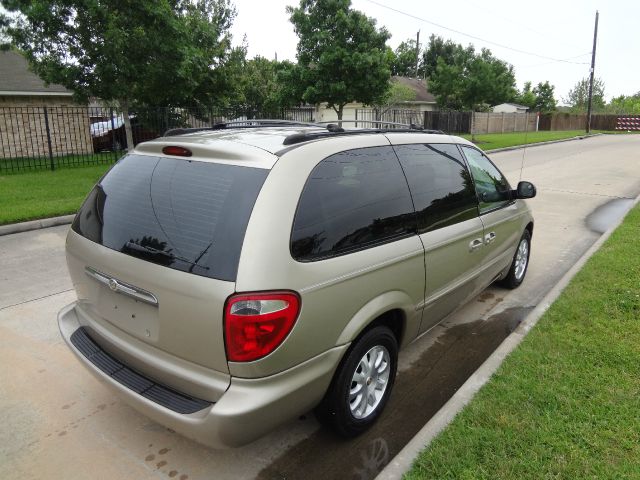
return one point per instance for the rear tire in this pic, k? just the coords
(362, 384)
(520, 263)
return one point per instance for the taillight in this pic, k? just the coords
(255, 324)
(177, 151)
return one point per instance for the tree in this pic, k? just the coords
(404, 61)
(625, 105)
(438, 48)
(472, 81)
(342, 56)
(538, 99)
(396, 95)
(545, 101)
(527, 97)
(153, 52)
(578, 96)
(266, 86)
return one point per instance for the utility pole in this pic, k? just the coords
(417, 52)
(593, 66)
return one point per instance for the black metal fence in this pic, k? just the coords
(50, 137)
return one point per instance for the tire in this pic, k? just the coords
(520, 262)
(345, 410)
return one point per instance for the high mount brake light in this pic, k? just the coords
(177, 151)
(255, 324)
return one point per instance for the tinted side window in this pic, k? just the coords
(440, 184)
(492, 188)
(351, 200)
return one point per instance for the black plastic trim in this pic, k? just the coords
(160, 394)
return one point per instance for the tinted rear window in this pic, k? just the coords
(186, 215)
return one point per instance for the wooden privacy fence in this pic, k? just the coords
(577, 121)
(486, 122)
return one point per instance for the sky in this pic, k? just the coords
(546, 30)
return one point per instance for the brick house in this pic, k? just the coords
(27, 105)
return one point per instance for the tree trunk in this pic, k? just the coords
(124, 107)
(340, 109)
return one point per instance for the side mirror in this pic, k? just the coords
(525, 190)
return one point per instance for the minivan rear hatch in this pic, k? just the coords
(169, 229)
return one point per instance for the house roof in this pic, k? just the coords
(17, 79)
(419, 86)
(513, 105)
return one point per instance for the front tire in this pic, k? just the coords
(520, 262)
(362, 384)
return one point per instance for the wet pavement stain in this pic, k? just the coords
(606, 215)
(418, 394)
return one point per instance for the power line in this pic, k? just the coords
(549, 63)
(493, 13)
(473, 36)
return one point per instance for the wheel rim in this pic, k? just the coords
(522, 258)
(369, 382)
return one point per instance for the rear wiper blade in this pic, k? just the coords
(144, 249)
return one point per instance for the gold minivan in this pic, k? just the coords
(232, 278)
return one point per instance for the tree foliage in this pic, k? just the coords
(545, 101)
(396, 95)
(437, 48)
(625, 105)
(153, 52)
(267, 86)
(342, 56)
(578, 96)
(538, 99)
(404, 59)
(467, 80)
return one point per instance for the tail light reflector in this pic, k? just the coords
(255, 324)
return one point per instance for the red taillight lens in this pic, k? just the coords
(256, 324)
(177, 151)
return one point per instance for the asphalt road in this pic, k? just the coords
(59, 422)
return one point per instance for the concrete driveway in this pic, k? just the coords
(59, 422)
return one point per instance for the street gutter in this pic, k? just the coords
(403, 461)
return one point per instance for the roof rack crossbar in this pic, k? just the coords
(249, 123)
(374, 122)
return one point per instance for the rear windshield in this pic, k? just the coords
(186, 215)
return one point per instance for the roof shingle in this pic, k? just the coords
(16, 78)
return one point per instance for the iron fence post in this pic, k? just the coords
(46, 126)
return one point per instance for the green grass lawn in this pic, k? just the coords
(35, 164)
(501, 140)
(28, 196)
(566, 403)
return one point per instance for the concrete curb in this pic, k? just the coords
(35, 224)
(403, 461)
(538, 144)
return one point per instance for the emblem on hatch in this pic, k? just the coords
(113, 284)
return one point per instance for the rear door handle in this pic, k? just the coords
(475, 244)
(489, 237)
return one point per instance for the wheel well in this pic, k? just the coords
(530, 228)
(393, 319)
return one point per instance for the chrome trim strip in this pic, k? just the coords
(121, 287)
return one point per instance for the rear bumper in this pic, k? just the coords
(247, 410)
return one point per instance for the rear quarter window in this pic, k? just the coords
(186, 215)
(352, 200)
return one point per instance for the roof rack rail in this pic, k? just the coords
(338, 131)
(249, 123)
(411, 126)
